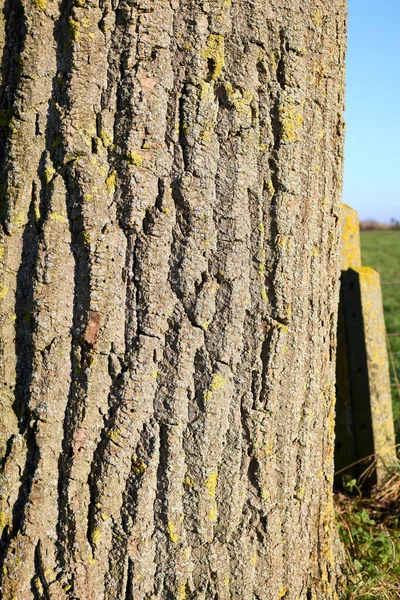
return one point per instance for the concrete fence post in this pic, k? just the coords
(364, 418)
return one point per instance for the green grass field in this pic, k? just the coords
(381, 251)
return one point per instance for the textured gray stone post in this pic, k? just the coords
(364, 424)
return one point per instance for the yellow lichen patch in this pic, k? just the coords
(369, 276)
(274, 58)
(135, 159)
(211, 483)
(268, 449)
(111, 181)
(1, 251)
(182, 592)
(351, 249)
(214, 55)
(88, 197)
(317, 17)
(113, 434)
(332, 420)
(40, 4)
(291, 121)
(212, 515)
(264, 294)
(95, 536)
(91, 560)
(38, 585)
(281, 241)
(206, 324)
(206, 92)
(3, 520)
(254, 558)
(315, 251)
(241, 99)
(58, 217)
(214, 288)
(106, 138)
(265, 494)
(282, 592)
(49, 173)
(104, 516)
(154, 375)
(3, 292)
(218, 382)
(188, 481)
(19, 220)
(206, 134)
(173, 536)
(74, 27)
(207, 395)
(138, 466)
(86, 238)
(270, 187)
(281, 326)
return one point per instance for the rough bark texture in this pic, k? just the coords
(170, 190)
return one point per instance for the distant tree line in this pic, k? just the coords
(372, 224)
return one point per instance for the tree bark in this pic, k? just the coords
(170, 191)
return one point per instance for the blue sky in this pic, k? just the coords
(372, 156)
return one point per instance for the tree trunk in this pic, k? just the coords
(170, 191)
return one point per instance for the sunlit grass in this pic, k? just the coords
(369, 528)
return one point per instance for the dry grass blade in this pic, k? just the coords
(389, 491)
(369, 527)
(382, 590)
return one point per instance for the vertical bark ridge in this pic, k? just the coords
(33, 368)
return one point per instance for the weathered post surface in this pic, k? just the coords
(364, 408)
(351, 246)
